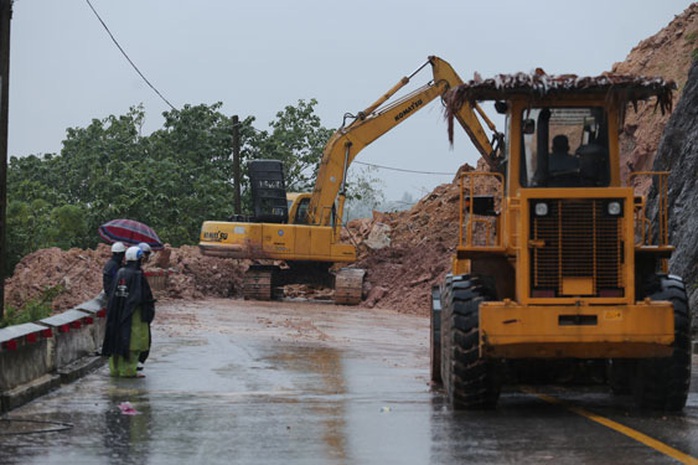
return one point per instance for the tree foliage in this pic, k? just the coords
(297, 138)
(172, 179)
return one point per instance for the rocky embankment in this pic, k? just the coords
(678, 153)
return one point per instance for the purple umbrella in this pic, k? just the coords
(129, 232)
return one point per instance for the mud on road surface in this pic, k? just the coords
(230, 381)
(244, 382)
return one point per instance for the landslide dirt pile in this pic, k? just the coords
(668, 54)
(400, 275)
(406, 253)
(79, 273)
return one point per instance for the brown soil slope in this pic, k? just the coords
(79, 273)
(667, 54)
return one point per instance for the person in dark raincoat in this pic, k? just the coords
(147, 251)
(561, 161)
(130, 310)
(118, 249)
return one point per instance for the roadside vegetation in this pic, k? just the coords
(35, 309)
(172, 179)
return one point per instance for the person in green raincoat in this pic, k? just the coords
(130, 310)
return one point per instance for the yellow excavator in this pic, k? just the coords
(560, 273)
(303, 230)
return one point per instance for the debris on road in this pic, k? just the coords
(127, 408)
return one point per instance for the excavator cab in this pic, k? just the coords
(298, 207)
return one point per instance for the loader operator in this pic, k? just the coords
(561, 162)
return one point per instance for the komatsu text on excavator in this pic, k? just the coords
(560, 272)
(305, 232)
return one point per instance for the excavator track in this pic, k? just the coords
(348, 286)
(258, 283)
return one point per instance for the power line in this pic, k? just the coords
(127, 57)
(390, 168)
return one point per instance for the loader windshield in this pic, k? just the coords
(564, 147)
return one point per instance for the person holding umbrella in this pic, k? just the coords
(118, 249)
(130, 310)
(147, 251)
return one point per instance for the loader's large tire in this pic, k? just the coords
(435, 336)
(620, 376)
(662, 384)
(471, 382)
(445, 328)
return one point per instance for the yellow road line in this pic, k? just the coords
(631, 433)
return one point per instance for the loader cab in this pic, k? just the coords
(564, 146)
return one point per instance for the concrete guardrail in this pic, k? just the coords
(37, 357)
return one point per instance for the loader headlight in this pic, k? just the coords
(541, 209)
(614, 208)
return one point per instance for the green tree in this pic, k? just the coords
(192, 163)
(297, 139)
(94, 157)
(27, 227)
(33, 177)
(68, 226)
(173, 179)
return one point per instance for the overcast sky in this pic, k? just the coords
(259, 56)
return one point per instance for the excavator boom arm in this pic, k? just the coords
(372, 123)
(346, 143)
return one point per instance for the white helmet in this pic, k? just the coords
(118, 247)
(133, 254)
(145, 247)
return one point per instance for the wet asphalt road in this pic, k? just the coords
(236, 382)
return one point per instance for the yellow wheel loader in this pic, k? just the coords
(560, 273)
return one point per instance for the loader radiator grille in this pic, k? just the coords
(576, 249)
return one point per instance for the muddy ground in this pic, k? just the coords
(299, 383)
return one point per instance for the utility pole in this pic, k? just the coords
(237, 206)
(5, 18)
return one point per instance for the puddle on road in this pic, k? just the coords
(320, 367)
(318, 371)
